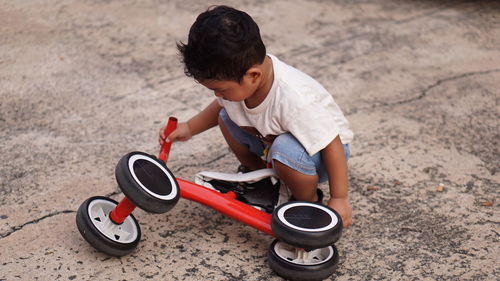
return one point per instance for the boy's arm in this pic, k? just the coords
(336, 166)
(204, 120)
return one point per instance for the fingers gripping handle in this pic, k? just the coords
(165, 148)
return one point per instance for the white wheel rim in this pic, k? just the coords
(300, 256)
(99, 210)
(281, 216)
(173, 192)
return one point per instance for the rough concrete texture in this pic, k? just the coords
(85, 82)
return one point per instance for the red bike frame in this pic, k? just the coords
(225, 203)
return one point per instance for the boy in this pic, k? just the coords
(263, 104)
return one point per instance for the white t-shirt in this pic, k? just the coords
(297, 104)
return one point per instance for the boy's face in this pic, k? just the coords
(231, 90)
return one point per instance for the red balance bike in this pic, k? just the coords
(305, 231)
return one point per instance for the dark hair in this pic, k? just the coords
(223, 44)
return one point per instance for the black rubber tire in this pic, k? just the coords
(137, 194)
(306, 215)
(297, 272)
(96, 238)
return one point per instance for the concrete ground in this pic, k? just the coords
(84, 82)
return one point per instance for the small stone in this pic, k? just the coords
(487, 203)
(372, 188)
(440, 187)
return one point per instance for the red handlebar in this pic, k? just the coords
(165, 148)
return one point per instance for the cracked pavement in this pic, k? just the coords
(85, 82)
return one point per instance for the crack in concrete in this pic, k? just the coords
(113, 193)
(444, 80)
(35, 221)
(431, 12)
(202, 164)
(425, 91)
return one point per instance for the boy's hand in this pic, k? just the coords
(342, 206)
(181, 133)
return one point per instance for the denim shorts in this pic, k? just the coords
(285, 148)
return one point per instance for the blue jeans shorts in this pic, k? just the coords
(285, 148)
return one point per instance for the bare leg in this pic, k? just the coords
(246, 158)
(303, 187)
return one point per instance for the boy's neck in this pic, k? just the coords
(265, 85)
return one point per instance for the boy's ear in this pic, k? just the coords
(254, 73)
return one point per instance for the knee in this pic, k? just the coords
(283, 144)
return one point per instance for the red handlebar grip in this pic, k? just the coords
(165, 148)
